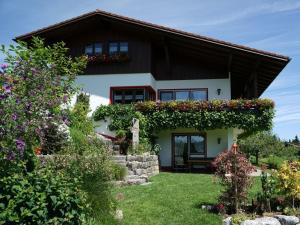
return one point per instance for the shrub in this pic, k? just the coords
(120, 172)
(41, 197)
(34, 83)
(233, 169)
(142, 147)
(78, 115)
(79, 141)
(268, 184)
(274, 162)
(237, 219)
(289, 180)
(53, 137)
(91, 165)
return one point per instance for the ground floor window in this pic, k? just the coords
(187, 147)
(127, 95)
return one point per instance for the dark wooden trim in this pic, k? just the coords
(187, 134)
(145, 87)
(182, 89)
(229, 63)
(157, 29)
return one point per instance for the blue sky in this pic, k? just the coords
(272, 25)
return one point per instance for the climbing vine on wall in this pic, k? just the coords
(249, 115)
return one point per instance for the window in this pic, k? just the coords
(94, 49)
(197, 145)
(89, 49)
(166, 96)
(98, 49)
(118, 48)
(113, 48)
(183, 95)
(124, 47)
(188, 147)
(127, 96)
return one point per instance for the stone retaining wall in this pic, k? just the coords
(139, 167)
(142, 165)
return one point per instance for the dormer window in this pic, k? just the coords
(118, 48)
(98, 49)
(89, 49)
(113, 48)
(94, 49)
(124, 47)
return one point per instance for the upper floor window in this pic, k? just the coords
(98, 49)
(118, 47)
(128, 95)
(124, 47)
(183, 95)
(94, 49)
(113, 48)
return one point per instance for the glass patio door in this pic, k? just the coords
(180, 145)
(187, 147)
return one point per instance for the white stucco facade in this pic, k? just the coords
(226, 137)
(211, 84)
(99, 87)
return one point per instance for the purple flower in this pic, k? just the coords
(65, 99)
(7, 88)
(20, 144)
(20, 128)
(4, 66)
(65, 120)
(14, 116)
(2, 97)
(33, 70)
(11, 156)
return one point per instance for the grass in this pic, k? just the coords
(172, 198)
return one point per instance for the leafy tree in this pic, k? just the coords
(265, 144)
(296, 140)
(233, 169)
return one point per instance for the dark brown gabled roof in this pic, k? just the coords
(244, 64)
(154, 27)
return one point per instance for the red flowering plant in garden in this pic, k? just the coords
(233, 170)
(34, 83)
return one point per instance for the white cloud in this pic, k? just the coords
(259, 8)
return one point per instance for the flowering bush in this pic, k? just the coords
(34, 84)
(233, 170)
(289, 180)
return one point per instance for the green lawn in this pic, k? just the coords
(172, 198)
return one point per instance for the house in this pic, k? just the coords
(131, 60)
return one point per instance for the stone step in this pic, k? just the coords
(136, 181)
(119, 157)
(116, 147)
(130, 177)
(122, 164)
